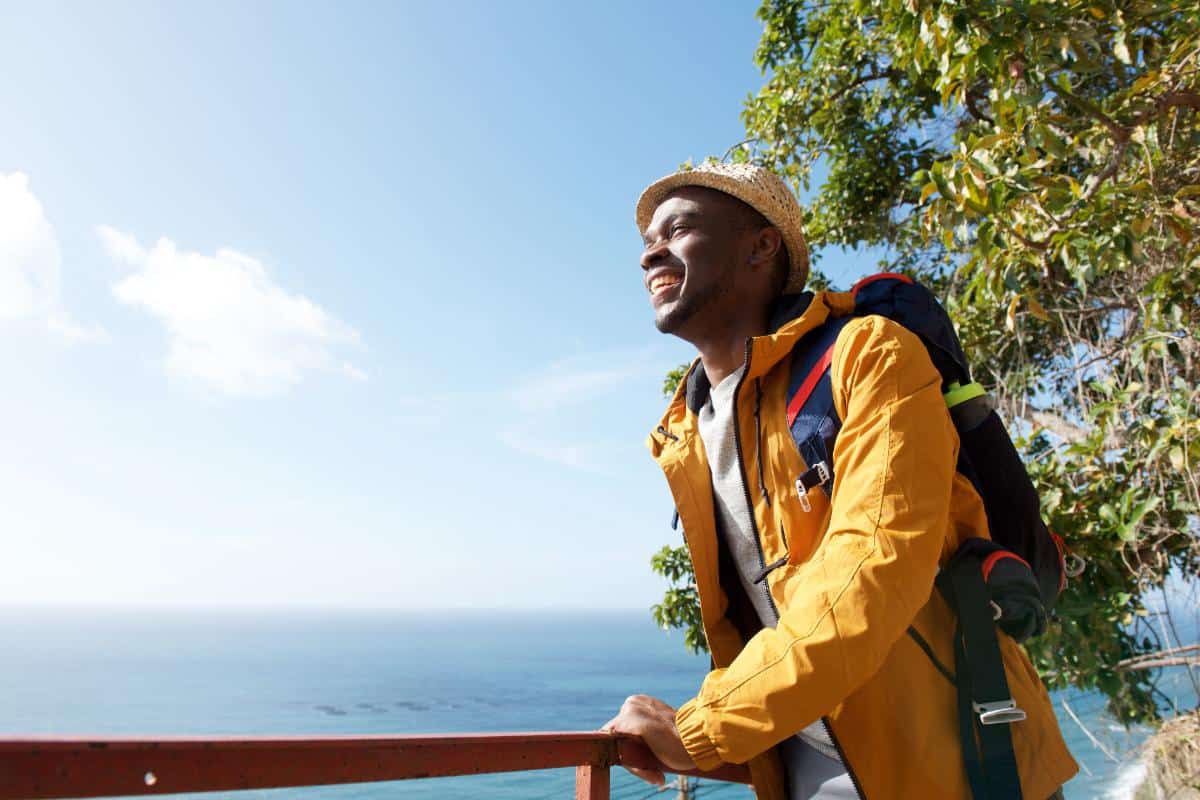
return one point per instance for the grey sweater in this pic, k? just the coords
(811, 760)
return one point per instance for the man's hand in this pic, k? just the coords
(653, 721)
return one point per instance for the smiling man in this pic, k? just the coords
(806, 601)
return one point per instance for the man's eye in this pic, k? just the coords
(676, 229)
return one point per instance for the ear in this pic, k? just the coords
(765, 246)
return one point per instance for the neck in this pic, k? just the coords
(723, 352)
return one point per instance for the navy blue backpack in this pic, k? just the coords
(1012, 580)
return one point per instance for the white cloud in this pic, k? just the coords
(580, 379)
(574, 455)
(121, 246)
(351, 371)
(542, 425)
(228, 324)
(61, 323)
(31, 264)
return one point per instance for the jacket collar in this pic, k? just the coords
(792, 316)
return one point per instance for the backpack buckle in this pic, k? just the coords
(1000, 712)
(818, 474)
(803, 492)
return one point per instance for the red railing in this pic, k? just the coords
(55, 767)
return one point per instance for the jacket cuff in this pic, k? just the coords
(689, 721)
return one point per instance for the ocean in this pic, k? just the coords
(189, 672)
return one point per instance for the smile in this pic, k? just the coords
(664, 282)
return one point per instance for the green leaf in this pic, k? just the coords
(1034, 230)
(1144, 82)
(1035, 307)
(1120, 50)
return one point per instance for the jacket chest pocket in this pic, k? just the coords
(791, 525)
(801, 526)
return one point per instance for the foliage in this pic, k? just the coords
(672, 380)
(1038, 163)
(680, 607)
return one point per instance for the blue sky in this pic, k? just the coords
(339, 305)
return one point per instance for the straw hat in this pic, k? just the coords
(757, 187)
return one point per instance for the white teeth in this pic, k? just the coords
(663, 281)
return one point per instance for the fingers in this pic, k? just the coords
(630, 721)
(641, 707)
(652, 721)
(622, 723)
(653, 776)
(632, 717)
(646, 703)
(652, 704)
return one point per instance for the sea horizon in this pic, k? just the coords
(299, 671)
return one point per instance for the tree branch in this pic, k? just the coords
(1114, 163)
(729, 152)
(861, 79)
(1110, 169)
(1168, 100)
(1071, 713)
(972, 100)
(1118, 131)
(1171, 657)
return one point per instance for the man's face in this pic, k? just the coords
(695, 245)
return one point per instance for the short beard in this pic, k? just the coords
(675, 318)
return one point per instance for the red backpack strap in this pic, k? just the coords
(810, 382)
(882, 276)
(811, 416)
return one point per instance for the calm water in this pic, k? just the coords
(311, 673)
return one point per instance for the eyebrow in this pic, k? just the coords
(666, 223)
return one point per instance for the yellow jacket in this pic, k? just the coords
(857, 572)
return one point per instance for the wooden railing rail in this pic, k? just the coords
(106, 766)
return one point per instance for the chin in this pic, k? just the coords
(672, 318)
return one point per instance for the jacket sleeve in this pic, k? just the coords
(847, 605)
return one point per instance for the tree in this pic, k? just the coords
(1038, 164)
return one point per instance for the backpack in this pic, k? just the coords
(1012, 580)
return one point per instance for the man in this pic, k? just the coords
(828, 641)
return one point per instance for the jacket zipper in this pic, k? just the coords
(845, 762)
(762, 558)
(737, 443)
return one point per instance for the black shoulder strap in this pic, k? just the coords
(986, 707)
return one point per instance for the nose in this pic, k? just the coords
(653, 254)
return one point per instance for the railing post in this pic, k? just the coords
(591, 782)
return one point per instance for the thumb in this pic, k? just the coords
(654, 776)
